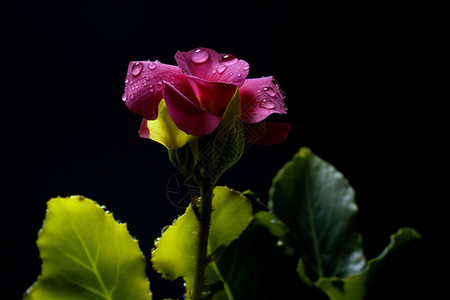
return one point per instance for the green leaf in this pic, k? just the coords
(317, 203)
(86, 254)
(354, 287)
(175, 251)
(259, 265)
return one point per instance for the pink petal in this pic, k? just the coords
(209, 65)
(143, 130)
(144, 86)
(213, 76)
(261, 97)
(187, 115)
(213, 97)
(266, 133)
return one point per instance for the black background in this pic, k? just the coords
(351, 75)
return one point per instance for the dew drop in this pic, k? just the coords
(124, 97)
(267, 104)
(152, 66)
(136, 69)
(221, 69)
(156, 241)
(200, 56)
(269, 91)
(160, 82)
(164, 229)
(246, 67)
(228, 59)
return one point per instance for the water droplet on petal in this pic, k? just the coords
(124, 97)
(269, 91)
(136, 69)
(246, 67)
(228, 59)
(152, 66)
(156, 241)
(221, 69)
(160, 82)
(200, 56)
(267, 104)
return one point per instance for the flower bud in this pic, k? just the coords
(210, 156)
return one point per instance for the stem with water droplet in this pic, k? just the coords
(204, 219)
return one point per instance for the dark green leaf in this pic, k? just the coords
(317, 203)
(259, 266)
(354, 287)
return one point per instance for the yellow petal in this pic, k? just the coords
(164, 131)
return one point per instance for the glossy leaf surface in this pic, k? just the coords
(87, 255)
(318, 205)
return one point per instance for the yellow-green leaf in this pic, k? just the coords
(87, 255)
(175, 251)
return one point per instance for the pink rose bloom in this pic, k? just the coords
(197, 92)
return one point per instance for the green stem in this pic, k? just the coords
(204, 219)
